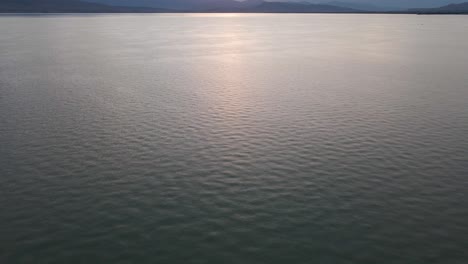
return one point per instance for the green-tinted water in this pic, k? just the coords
(233, 139)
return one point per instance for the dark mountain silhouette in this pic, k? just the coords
(362, 6)
(368, 5)
(297, 7)
(397, 4)
(152, 6)
(283, 7)
(448, 9)
(66, 6)
(187, 5)
(113, 6)
(233, 6)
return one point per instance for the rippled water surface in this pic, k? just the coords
(234, 139)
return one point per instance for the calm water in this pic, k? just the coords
(234, 139)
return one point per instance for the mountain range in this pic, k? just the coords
(370, 5)
(364, 6)
(393, 4)
(67, 6)
(193, 5)
(287, 7)
(448, 9)
(246, 6)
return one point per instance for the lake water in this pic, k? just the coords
(234, 139)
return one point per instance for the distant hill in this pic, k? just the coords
(297, 7)
(160, 6)
(185, 5)
(150, 6)
(66, 6)
(368, 5)
(234, 6)
(362, 6)
(448, 9)
(395, 5)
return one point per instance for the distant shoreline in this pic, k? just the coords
(263, 7)
(205, 12)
